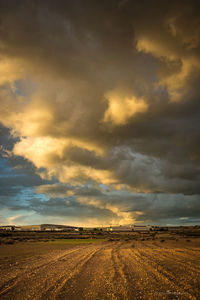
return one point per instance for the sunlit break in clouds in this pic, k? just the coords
(100, 112)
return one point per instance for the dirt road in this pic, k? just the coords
(110, 270)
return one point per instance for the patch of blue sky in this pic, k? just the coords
(24, 87)
(5, 169)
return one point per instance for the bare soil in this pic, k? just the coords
(133, 269)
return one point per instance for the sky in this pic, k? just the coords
(100, 112)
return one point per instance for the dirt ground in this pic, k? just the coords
(142, 269)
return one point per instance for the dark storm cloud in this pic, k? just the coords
(105, 92)
(171, 209)
(147, 208)
(69, 207)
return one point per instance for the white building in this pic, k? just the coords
(7, 228)
(52, 227)
(141, 228)
(120, 228)
(47, 227)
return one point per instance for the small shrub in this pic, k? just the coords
(20, 239)
(9, 242)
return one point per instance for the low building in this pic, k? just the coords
(120, 228)
(7, 228)
(88, 228)
(47, 227)
(52, 227)
(175, 228)
(31, 228)
(141, 228)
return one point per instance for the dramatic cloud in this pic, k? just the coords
(122, 107)
(100, 111)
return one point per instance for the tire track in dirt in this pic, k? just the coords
(139, 285)
(24, 268)
(97, 277)
(15, 280)
(164, 275)
(150, 281)
(107, 271)
(188, 275)
(119, 276)
(41, 277)
(184, 250)
(56, 292)
(181, 259)
(96, 280)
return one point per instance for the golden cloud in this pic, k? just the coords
(172, 47)
(10, 70)
(122, 107)
(122, 217)
(51, 153)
